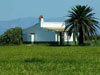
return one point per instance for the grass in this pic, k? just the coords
(49, 60)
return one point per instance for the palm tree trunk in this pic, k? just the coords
(81, 41)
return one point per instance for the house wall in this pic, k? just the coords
(26, 38)
(40, 35)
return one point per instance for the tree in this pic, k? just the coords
(12, 36)
(81, 23)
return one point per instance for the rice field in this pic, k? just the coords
(49, 60)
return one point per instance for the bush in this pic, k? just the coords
(2, 42)
(98, 37)
(12, 36)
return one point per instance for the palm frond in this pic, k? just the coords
(82, 17)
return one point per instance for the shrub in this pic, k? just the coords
(98, 37)
(12, 36)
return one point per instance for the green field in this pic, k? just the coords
(49, 60)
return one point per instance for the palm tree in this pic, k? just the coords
(81, 23)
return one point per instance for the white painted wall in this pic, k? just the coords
(41, 35)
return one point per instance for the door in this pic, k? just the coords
(32, 37)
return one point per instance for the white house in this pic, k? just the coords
(45, 32)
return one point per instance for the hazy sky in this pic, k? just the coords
(12, 9)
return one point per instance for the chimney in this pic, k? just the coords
(41, 19)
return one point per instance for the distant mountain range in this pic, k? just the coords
(24, 23)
